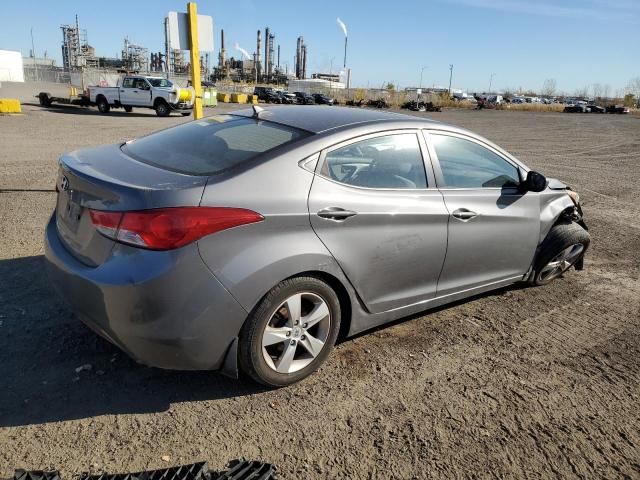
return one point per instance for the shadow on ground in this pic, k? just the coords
(42, 344)
(78, 110)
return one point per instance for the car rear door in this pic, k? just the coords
(493, 225)
(379, 214)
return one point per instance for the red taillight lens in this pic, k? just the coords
(167, 228)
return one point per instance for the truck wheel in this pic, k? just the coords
(44, 99)
(564, 246)
(162, 109)
(185, 114)
(128, 109)
(103, 105)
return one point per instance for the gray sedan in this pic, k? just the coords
(253, 241)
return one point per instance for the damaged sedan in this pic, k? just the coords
(251, 242)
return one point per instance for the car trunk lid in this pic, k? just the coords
(106, 179)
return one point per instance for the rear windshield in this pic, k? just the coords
(211, 145)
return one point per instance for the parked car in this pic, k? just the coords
(262, 92)
(171, 247)
(322, 99)
(304, 98)
(617, 109)
(289, 98)
(577, 108)
(596, 109)
(157, 93)
(273, 96)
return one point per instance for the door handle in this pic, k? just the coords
(336, 213)
(464, 214)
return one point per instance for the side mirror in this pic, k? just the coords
(535, 182)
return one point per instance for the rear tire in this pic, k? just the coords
(277, 346)
(44, 99)
(162, 109)
(185, 114)
(564, 246)
(103, 105)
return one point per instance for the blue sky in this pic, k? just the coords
(522, 42)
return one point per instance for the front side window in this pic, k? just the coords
(141, 84)
(160, 82)
(466, 164)
(211, 145)
(391, 161)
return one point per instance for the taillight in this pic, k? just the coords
(167, 228)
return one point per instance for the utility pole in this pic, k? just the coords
(450, 77)
(491, 81)
(33, 55)
(420, 87)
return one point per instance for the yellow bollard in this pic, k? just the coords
(195, 59)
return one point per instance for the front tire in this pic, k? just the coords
(162, 109)
(564, 246)
(290, 333)
(128, 108)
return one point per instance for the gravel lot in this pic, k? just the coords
(521, 383)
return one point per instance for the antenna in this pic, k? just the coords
(257, 111)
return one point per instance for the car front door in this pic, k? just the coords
(493, 225)
(378, 212)
(135, 91)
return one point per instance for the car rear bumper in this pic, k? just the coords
(164, 309)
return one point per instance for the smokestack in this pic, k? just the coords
(221, 58)
(267, 67)
(345, 53)
(278, 58)
(298, 55)
(257, 55)
(304, 61)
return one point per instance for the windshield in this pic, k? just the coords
(160, 82)
(211, 145)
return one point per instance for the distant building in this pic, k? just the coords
(11, 68)
(314, 85)
(332, 77)
(33, 62)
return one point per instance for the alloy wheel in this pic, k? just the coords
(561, 262)
(296, 332)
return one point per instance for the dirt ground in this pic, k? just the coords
(522, 383)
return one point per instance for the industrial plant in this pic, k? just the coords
(79, 58)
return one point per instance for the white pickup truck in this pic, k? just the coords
(143, 91)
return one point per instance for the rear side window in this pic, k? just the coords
(211, 145)
(466, 164)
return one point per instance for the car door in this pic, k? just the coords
(135, 91)
(378, 212)
(493, 224)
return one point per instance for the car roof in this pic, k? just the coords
(318, 119)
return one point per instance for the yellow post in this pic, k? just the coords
(192, 13)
